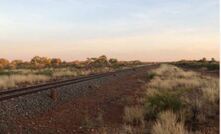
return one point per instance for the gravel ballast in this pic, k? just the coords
(30, 105)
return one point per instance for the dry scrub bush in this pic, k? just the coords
(134, 115)
(168, 124)
(14, 80)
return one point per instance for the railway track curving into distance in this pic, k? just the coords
(18, 92)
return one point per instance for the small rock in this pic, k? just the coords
(32, 123)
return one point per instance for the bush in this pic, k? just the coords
(212, 65)
(150, 75)
(160, 102)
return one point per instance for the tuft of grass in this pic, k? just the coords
(134, 115)
(127, 129)
(167, 123)
(87, 121)
(211, 90)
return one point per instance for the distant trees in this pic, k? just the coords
(102, 60)
(38, 62)
(213, 60)
(202, 60)
(98, 62)
(136, 62)
(3, 63)
(16, 64)
(113, 61)
(56, 61)
(1, 66)
(205, 60)
(202, 63)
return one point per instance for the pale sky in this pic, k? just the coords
(147, 30)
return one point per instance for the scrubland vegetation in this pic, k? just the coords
(205, 64)
(41, 69)
(176, 102)
(15, 80)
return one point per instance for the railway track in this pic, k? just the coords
(14, 93)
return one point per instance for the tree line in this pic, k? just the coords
(38, 62)
(210, 64)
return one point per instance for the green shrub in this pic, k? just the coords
(161, 102)
(213, 66)
(198, 64)
(150, 75)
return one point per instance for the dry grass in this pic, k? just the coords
(83, 72)
(174, 83)
(211, 90)
(172, 71)
(168, 124)
(134, 115)
(64, 73)
(198, 94)
(19, 71)
(175, 98)
(178, 80)
(16, 77)
(14, 80)
(128, 129)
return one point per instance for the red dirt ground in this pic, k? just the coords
(102, 107)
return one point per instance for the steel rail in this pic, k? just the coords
(45, 84)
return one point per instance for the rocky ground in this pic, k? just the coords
(87, 107)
